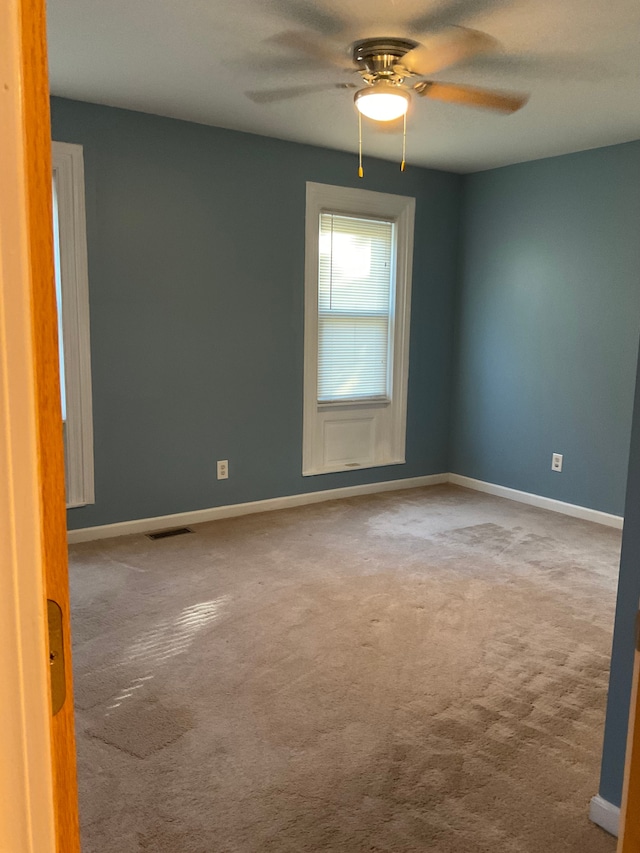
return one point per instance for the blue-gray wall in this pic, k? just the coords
(615, 737)
(196, 259)
(548, 319)
(547, 326)
(529, 274)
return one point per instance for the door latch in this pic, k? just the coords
(56, 656)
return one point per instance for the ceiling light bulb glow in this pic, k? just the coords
(382, 101)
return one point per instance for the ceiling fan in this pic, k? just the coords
(388, 66)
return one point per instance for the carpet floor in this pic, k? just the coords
(414, 671)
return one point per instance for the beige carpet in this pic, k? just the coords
(415, 671)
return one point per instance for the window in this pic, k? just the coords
(72, 292)
(355, 285)
(359, 247)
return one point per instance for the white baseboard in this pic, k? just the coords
(180, 519)
(605, 814)
(146, 525)
(573, 510)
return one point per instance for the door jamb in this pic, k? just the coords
(27, 790)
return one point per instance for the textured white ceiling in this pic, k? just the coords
(195, 59)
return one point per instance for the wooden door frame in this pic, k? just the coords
(38, 789)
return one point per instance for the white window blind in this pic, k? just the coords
(355, 298)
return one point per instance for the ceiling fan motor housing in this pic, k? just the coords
(377, 58)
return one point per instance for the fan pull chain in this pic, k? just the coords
(360, 169)
(404, 144)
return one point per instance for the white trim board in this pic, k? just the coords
(146, 525)
(539, 501)
(72, 277)
(604, 814)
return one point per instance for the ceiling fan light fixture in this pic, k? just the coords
(382, 101)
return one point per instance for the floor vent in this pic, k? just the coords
(164, 534)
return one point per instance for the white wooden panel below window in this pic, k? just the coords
(353, 436)
(349, 443)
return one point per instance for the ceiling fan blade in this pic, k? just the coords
(310, 45)
(310, 16)
(457, 44)
(539, 65)
(271, 96)
(471, 96)
(452, 12)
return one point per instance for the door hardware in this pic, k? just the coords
(56, 656)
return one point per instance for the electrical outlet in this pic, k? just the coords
(556, 462)
(223, 469)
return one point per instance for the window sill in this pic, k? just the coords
(367, 403)
(335, 469)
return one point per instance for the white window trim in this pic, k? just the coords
(68, 168)
(401, 209)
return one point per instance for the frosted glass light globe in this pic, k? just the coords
(382, 102)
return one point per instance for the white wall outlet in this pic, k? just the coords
(556, 462)
(223, 469)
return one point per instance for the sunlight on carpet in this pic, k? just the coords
(420, 671)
